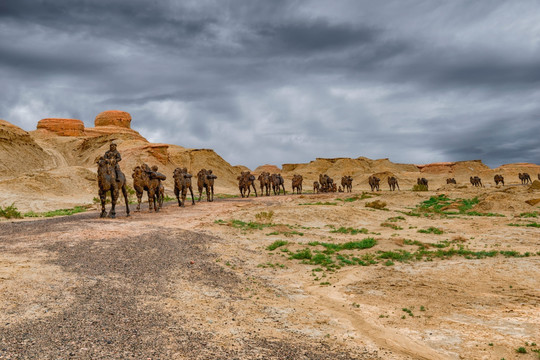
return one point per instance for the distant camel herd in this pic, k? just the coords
(145, 178)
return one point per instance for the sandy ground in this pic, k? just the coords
(193, 283)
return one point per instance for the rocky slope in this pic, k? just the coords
(54, 166)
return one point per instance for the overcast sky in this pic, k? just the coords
(286, 81)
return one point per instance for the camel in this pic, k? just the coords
(264, 181)
(160, 194)
(525, 178)
(451, 181)
(205, 181)
(182, 183)
(109, 181)
(374, 182)
(476, 181)
(498, 179)
(278, 183)
(346, 183)
(245, 182)
(297, 183)
(422, 181)
(142, 182)
(392, 182)
(316, 187)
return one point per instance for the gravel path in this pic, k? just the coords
(120, 283)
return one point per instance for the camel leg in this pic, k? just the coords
(192, 197)
(200, 193)
(150, 200)
(124, 192)
(184, 193)
(114, 197)
(103, 199)
(255, 190)
(177, 193)
(139, 199)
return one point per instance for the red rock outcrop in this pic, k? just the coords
(62, 127)
(114, 122)
(113, 118)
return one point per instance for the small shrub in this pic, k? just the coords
(10, 212)
(431, 230)
(392, 226)
(264, 216)
(276, 244)
(349, 230)
(521, 350)
(377, 204)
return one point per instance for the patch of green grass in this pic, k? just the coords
(239, 224)
(320, 203)
(408, 311)
(304, 254)
(521, 350)
(398, 255)
(476, 213)
(286, 233)
(362, 244)
(59, 212)
(64, 212)
(10, 212)
(531, 224)
(422, 308)
(276, 244)
(395, 219)
(431, 230)
(533, 214)
(349, 230)
(271, 265)
(388, 263)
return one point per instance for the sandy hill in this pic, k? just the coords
(54, 166)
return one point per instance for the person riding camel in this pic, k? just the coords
(112, 153)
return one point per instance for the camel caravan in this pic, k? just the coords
(145, 178)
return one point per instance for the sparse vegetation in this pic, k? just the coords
(10, 212)
(276, 244)
(521, 350)
(418, 187)
(349, 230)
(392, 226)
(431, 230)
(531, 224)
(59, 212)
(264, 216)
(377, 204)
(320, 203)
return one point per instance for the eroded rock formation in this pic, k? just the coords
(62, 127)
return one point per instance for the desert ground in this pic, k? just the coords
(435, 274)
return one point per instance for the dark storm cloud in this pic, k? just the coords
(285, 81)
